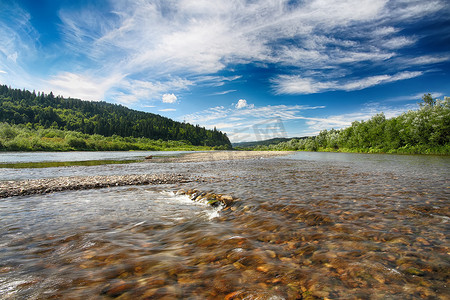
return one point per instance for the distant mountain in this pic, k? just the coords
(25, 107)
(272, 141)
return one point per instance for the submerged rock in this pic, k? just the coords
(117, 288)
(211, 198)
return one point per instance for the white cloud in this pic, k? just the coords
(241, 104)
(286, 84)
(379, 79)
(424, 60)
(398, 42)
(169, 98)
(223, 92)
(385, 31)
(294, 84)
(167, 109)
(3, 72)
(215, 81)
(84, 87)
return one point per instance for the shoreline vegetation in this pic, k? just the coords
(25, 138)
(422, 131)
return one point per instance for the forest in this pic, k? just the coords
(46, 111)
(422, 131)
(23, 137)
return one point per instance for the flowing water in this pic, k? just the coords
(307, 226)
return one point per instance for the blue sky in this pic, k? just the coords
(253, 69)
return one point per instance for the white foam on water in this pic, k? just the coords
(209, 211)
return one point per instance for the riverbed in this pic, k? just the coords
(303, 226)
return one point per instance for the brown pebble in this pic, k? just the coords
(117, 288)
(232, 295)
(263, 268)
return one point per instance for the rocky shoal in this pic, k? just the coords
(49, 185)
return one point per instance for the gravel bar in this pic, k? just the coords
(49, 185)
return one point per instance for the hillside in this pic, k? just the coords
(268, 142)
(89, 117)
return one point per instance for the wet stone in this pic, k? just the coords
(117, 288)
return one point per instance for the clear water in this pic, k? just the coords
(45, 240)
(324, 225)
(28, 157)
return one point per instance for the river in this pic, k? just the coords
(307, 226)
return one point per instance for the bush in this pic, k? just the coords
(76, 143)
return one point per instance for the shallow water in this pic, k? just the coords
(324, 225)
(30, 157)
(39, 160)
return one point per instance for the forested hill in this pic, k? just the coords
(25, 107)
(268, 142)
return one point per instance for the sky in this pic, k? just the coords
(255, 69)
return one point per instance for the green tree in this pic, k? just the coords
(427, 100)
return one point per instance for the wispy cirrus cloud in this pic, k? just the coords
(18, 43)
(398, 42)
(416, 97)
(424, 60)
(197, 38)
(17, 36)
(294, 84)
(134, 50)
(223, 92)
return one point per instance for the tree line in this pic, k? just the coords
(23, 137)
(99, 118)
(422, 131)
